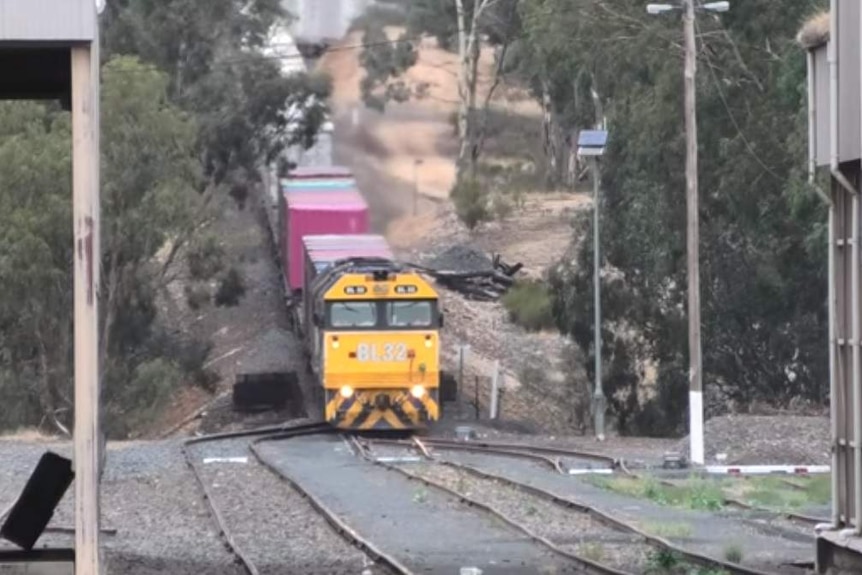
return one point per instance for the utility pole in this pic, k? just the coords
(695, 372)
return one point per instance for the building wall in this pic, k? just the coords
(849, 73)
(848, 80)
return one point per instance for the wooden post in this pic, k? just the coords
(85, 197)
(695, 395)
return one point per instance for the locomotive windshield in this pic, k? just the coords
(409, 314)
(353, 314)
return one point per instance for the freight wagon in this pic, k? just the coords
(369, 325)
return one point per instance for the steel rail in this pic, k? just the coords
(789, 515)
(558, 451)
(554, 464)
(224, 532)
(588, 565)
(330, 516)
(610, 520)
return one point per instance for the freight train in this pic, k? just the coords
(369, 325)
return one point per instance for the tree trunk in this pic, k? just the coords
(549, 138)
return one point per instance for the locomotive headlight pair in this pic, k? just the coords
(417, 391)
(428, 342)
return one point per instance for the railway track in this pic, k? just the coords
(365, 448)
(275, 433)
(551, 457)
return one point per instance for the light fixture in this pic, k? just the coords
(346, 391)
(659, 8)
(417, 391)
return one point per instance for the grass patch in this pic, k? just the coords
(776, 493)
(529, 305)
(733, 554)
(695, 493)
(592, 551)
(668, 529)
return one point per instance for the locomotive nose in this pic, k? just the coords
(381, 402)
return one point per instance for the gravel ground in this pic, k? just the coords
(271, 522)
(766, 440)
(425, 529)
(148, 495)
(706, 533)
(575, 532)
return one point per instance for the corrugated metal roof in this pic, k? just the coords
(319, 184)
(334, 198)
(320, 172)
(47, 20)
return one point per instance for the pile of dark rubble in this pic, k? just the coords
(472, 273)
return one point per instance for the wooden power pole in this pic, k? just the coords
(695, 395)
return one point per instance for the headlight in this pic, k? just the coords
(417, 391)
(346, 391)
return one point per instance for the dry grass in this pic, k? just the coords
(29, 436)
(815, 31)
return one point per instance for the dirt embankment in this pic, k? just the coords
(410, 204)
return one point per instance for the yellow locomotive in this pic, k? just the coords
(371, 330)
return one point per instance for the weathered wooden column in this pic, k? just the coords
(49, 50)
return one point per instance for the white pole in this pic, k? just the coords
(495, 389)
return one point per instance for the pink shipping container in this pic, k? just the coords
(307, 172)
(315, 213)
(320, 252)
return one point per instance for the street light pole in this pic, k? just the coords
(599, 395)
(592, 144)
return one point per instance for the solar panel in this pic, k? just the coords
(592, 139)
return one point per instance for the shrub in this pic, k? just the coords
(471, 203)
(529, 305)
(231, 289)
(206, 258)
(197, 296)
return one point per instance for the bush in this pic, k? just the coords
(197, 296)
(206, 258)
(529, 305)
(135, 399)
(471, 203)
(231, 289)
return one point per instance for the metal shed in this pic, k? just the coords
(835, 141)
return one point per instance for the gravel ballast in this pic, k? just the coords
(424, 529)
(272, 523)
(574, 532)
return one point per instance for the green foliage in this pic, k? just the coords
(529, 305)
(695, 493)
(762, 244)
(211, 51)
(471, 202)
(231, 289)
(205, 258)
(147, 387)
(733, 554)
